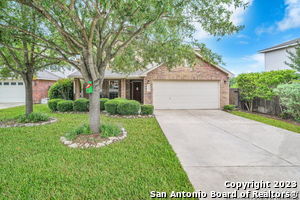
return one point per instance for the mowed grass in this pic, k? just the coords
(35, 165)
(270, 121)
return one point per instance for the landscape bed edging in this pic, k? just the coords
(52, 120)
(129, 116)
(110, 140)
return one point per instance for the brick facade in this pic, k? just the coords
(40, 89)
(201, 71)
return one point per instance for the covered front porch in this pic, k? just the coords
(113, 88)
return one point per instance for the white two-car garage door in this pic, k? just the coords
(186, 94)
(12, 91)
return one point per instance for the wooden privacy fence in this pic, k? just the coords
(271, 107)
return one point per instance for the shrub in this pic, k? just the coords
(81, 105)
(62, 89)
(52, 104)
(109, 130)
(289, 95)
(112, 105)
(33, 118)
(102, 102)
(229, 107)
(147, 109)
(65, 106)
(128, 107)
(84, 129)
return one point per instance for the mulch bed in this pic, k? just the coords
(14, 123)
(92, 140)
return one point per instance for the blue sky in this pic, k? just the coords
(267, 23)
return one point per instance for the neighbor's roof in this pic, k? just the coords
(46, 75)
(281, 46)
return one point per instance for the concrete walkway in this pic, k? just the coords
(214, 146)
(10, 105)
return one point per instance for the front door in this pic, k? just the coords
(136, 89)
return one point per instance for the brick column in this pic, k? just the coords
(123, 88)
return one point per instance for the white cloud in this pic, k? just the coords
(263, 29)
(238, 13)
(253, 63)
(201, 34)
(237, 18)
(243, 42)
(246, 64)
(291, 17)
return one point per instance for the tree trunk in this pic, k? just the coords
(28, 94)
(251, 106)
(247, 106)
(95, 108)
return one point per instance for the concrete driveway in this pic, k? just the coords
(9, 105)
(214, 146)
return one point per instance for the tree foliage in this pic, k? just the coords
(128, 35)
(261, 85)
(21, 55)
(294, 59)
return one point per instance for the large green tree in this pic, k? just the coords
(21, 55)
(128, 35)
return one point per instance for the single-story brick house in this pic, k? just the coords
(205, 86)
(13, 90)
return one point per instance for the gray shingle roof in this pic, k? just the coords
(282, 45)
(112, 74)
(46, 75)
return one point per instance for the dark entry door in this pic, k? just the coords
(137, 91)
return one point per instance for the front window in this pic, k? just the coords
(113, 89)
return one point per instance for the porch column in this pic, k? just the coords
(77, 87)
(123, 88)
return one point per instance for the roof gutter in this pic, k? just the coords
(277, 48)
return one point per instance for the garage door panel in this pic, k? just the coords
(186, 94)
(12, 93)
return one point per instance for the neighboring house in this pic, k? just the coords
(12, 90)
(276, 56)
(205, 86)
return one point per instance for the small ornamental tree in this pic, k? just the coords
(261, 85)
(128, 35)
(294, 59)
(248, 84)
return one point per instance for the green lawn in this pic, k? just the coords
(270, 121)
(35, 165)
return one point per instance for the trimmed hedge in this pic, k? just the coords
(81, 105)
(147, 109)
(128, 107)
(102, 102)
(111, 106)
(52, 104)
(65, 106)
